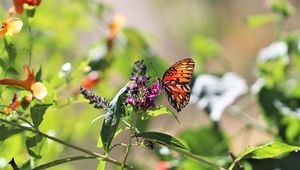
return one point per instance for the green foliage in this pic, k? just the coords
(153, 112)
(37, 113)
(282, 7)
(162, 138)
(112, 119)
(260, 20)
(203, 49)
(6, 132)
(50, 39)
(269, 150)
(10, 49)
(213, 141)
(36, 146)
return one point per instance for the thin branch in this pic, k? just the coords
(62, 161)
(187, 154)
(248, 120)
(118, 144)
(195, 157)
(132, 129)
(102, 157)
(239, 165)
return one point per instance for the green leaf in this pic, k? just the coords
(39, 74)
(3, 64)
(112, 119)
(30, 11)
(153, 112)
(36, 146)
(269, 150)
(37, 113)
(260, 20)
(10, 49)
(213, 141)
(6, 132)
(12, 71)
(163, 139)
(204, 48)
(282, 7)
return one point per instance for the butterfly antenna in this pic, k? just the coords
(174, 114)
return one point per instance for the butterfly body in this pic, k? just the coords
(176, 83)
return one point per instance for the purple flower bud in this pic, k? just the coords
(131, 86)
(133, 78)
(129, 100)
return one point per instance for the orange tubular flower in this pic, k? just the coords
(115, 25)
(13, 105)
(19, 4)
(38, 89)
(11, 26)
(91, 80)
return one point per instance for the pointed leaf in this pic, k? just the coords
(112, 119)
(6, 132)
(39, 74)
(37, 113)
(163, 139)
(268, 150)
(3, 64)
(153, 112)
(36, 146)
(12, 71)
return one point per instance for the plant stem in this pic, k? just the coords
(132, 129)
(127, 152)
(61, 161)
(30, 44)
(195, 157)
(187, 154)
(102, 157)
(248, 120)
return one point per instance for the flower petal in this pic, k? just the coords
(14, 25)
(19, 6)
(39, 90)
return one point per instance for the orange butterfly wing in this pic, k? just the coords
(176, 83)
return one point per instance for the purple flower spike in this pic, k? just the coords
(140, 96)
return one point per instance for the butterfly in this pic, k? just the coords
(176, 83)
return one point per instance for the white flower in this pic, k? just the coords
(65, 69)
(3, 162)
(214, 94)
(97, 52)
(274, 51)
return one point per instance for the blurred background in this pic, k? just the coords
(228, 109)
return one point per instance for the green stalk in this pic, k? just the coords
(62, 161)
(132, 130)
(195, 157)
(102, 157)
(30, 45)
(187, 154)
